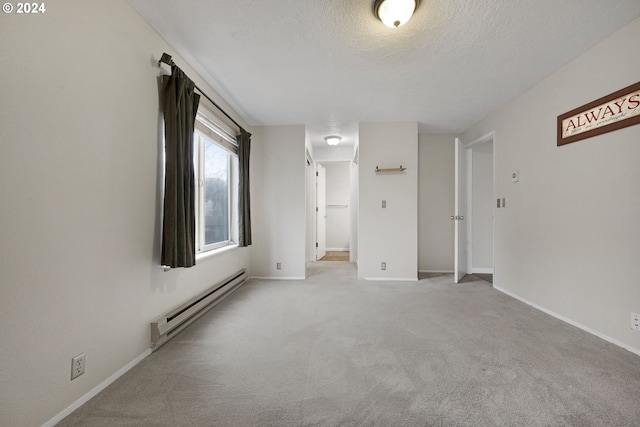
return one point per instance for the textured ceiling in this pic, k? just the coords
(329, 64)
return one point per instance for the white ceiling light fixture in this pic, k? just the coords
(333, 140)
(394, 13)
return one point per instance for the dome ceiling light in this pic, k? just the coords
(394, 13)
(333, 140)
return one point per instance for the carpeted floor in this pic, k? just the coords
(335, 351)
(485, 277)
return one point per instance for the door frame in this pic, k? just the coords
(321, 211)
(310, 197)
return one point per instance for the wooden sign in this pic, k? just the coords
(612, 112)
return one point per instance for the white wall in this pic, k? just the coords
(436, 202)
(338, 198)
(340, 153)
(568, 240)
(482, 207)
(79, 217)
(388, 235)
(278, 187)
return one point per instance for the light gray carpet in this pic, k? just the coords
(335, 351)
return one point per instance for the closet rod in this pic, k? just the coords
(166, 58)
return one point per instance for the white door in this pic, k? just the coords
(460, 228)
(321, 212)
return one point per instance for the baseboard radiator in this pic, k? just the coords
(169, 324)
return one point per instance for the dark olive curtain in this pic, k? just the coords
(180, 105)
(244, 204)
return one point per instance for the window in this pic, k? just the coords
(216, 168)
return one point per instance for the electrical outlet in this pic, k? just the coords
(383, 266)
(635, 321)
(77, 366)
(278, 266)
(384, 204)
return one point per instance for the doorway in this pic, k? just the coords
(480, 202)
(333, 216)
(474, 214)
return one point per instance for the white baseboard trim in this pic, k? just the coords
(94, 391)
(277, 278)
(482, 270)
(571, 322)
(436, 271)
(338, 249)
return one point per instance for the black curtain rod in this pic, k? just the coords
(166, 58)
